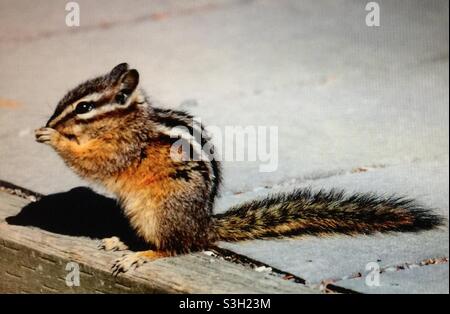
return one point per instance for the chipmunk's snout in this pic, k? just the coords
(49, 121)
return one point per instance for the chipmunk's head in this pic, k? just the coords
(98, 103)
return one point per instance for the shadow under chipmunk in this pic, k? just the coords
(79, 212)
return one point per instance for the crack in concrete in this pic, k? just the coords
(330, 283)
(306, 178)
(407, 265)
(103, 25)
(286, 183)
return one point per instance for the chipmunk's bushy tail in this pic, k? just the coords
(304, 212)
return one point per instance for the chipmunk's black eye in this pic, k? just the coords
(84, 107)
(121, 98)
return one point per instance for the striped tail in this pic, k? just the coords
(303, 212)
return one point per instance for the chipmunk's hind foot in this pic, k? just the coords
(112, 244)
(135, 259)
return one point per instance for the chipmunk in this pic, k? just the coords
(107, 131)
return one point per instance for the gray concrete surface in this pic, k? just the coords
(342, 94)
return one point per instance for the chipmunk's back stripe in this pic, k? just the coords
(169, 122)
(196, 151)
(174, 118)
(216, 179)
(178, 124)
(184, 171)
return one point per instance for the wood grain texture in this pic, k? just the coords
(34, 261)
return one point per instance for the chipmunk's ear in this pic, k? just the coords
(130, 80)
(118, 71)
(128, 83)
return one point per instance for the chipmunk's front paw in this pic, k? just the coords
(46, 135)
(112, 244)
(128, 261)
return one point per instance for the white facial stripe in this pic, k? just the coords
(97, 111)
(91, 97)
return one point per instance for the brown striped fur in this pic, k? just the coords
(303, 212)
